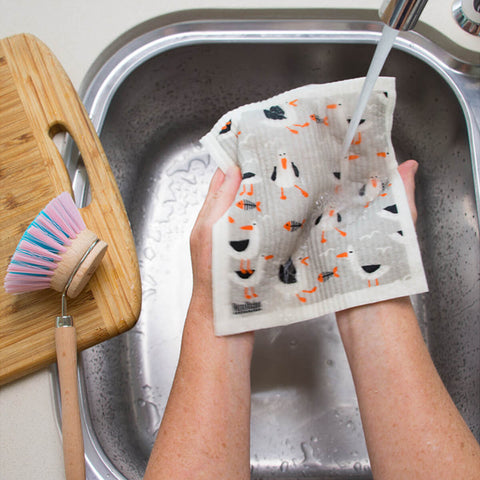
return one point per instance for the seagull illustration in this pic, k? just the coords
(296, 279)
(249, 179)
(250, 274)
(285, 174)
(328, 221)
(389, 212)
(251, 266)
(246, 242)
(368, 271)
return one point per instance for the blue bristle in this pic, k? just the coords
(48, 232)
(56, 225)
(28, 237)
(27, 264)
(33, 255)
(41, 275)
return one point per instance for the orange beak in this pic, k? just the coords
(284, 163)
(342, 255)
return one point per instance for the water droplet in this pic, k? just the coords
(307, 451)
(357, 467)
(152, 413)
(309, 459)
(284, 467)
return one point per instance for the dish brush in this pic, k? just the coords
(58, 251)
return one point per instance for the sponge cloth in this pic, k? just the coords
(311, 231)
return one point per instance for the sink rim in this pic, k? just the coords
(106, 75)
(461, 77)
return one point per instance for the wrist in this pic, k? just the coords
(379, 311)
(370, 326)
(199, 335)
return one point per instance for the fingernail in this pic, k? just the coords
(415, 168)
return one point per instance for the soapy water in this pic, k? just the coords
(381, 52)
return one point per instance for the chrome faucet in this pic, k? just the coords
(401, 14)
(467, 14)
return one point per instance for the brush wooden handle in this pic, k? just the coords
(73, 450)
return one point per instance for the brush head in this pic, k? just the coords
(51, 249)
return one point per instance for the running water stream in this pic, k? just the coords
(381, 52)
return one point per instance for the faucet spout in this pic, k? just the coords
(401, 14)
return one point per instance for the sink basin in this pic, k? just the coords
(151, 99)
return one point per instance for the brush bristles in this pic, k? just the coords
(39, 251)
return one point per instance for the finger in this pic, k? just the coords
(221, 194)
(225, 195)
(216, 181)
(407, 171)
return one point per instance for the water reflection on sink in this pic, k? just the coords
(305, 420)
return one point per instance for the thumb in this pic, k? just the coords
(407, 171)
(220, 196)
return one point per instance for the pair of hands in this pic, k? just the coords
(411, 425)
(221, 194)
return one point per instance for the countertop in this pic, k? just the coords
(77, 33)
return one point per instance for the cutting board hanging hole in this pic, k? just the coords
(72, 158)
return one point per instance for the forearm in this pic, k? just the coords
(205, 432)
(412, 428)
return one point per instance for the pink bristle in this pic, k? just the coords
(46, 223)
(42, 237)
(22, 286)
(56, 216)
(36, 250)
(72, 212)
(35, 260)
(63, 211)
(32, 270)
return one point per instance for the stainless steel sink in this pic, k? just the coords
(156, 92)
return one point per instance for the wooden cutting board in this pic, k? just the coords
(37, 100)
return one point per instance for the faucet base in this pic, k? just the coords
(468, 20)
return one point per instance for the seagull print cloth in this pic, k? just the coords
(311, 231)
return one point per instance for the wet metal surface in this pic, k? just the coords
(305, 419)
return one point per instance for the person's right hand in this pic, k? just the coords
(220, 196)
